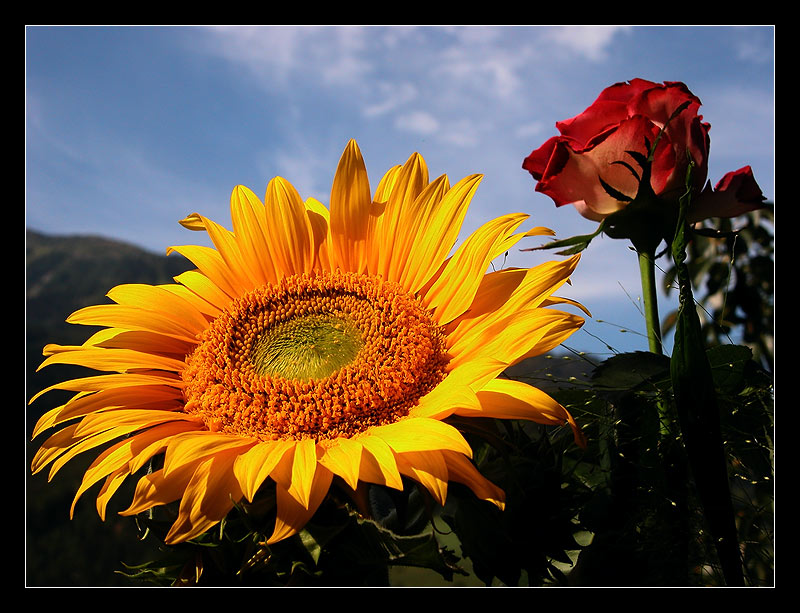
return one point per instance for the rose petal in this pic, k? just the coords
(571, 177)
(735, 194)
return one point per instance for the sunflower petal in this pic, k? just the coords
(343, 458)
(452, 293)
(421, 434)
(256, 464)
(350, 211)
(509, 399)
(116, 458)
(461, 470)
(250, 225)
(393, 228)
(290, 235)
(304, 466)
(438, 231)
(379, 465)
(428, 468)
(192, 446)
(208, 497)
(292, 515)
(160, 300)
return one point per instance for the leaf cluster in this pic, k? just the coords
(733, 271)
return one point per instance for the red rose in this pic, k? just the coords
(628, 117)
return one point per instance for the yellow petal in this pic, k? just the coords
(303, 468)
(128, 418)
(350, 211)
(428, 468)
(111, 485)
(421, 434)
(527, 333)
(161, 301)
(119, 456)
(386, 184)
(319, 219)
(210, 263)
(391, 238)
(131, 318)
(154, 489)
(53, 447)
(195, 445)
(240, 270)
(141, 340)
(501, 295)
(208, 497)
(199, 284)
(119, 360)
(437, 231)
(342, 457)
(256, 464)
(289, 232)
(292, 515)
(85, 444)
(557, 327)
(452, 293)
(251, 227)
(101, 382)
(509, 399)
(378, 465)
(456, 391)
(116, 397)
(208, 310)
(461, 470)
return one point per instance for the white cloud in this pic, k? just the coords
(591, 42)
(756, 45)
(485, 67)
(462, 133)
(275, 55)
(392, 96)
(534, 128)
(419, 122)
(306, 168)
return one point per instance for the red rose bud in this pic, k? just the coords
(597, 150)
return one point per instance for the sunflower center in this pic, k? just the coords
(316, 356)
(304, 348)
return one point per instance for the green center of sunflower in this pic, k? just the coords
(316, 356)
(304, 348)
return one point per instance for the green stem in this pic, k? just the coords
(648, 275)
(659, 422)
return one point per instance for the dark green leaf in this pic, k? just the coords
(728, 364)
(631, 371)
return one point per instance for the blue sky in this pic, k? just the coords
(129, 129)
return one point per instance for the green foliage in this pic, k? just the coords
(524, 543)
(732, 270)
(642, 507)
(339, 547)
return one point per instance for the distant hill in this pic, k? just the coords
(66, 273)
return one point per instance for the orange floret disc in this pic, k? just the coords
(317, 356)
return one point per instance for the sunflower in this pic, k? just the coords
(310, 344)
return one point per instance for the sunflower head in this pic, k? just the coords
(311, 343)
